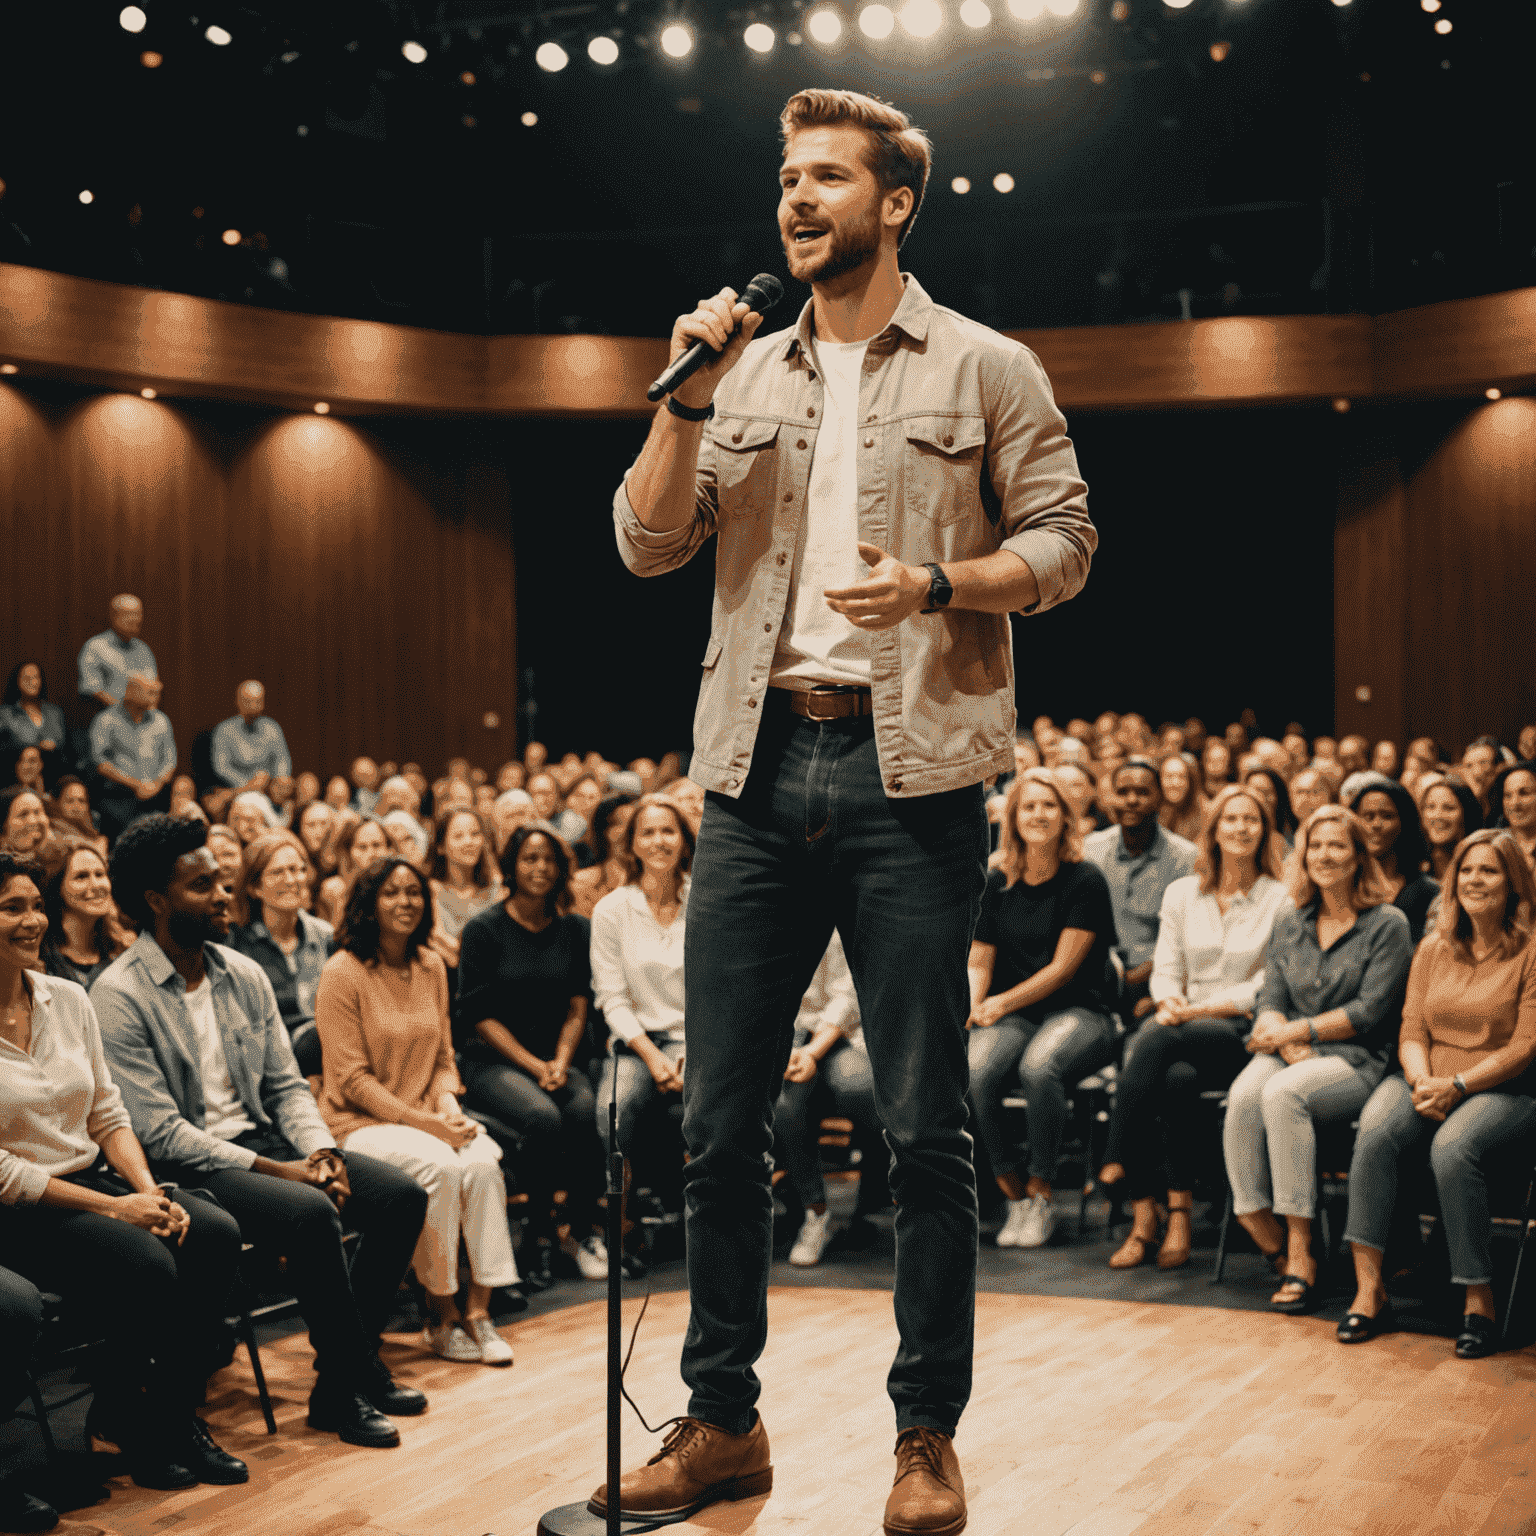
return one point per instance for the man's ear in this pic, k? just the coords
(157, 903)
(898, 207)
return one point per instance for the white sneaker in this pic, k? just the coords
(494, 1350)
(592, 1258)
(451, 1342)
(815, 1234)
(1008, 1234)
(1036, 1223)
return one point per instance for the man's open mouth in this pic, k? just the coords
(806, 236)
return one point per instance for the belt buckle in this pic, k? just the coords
(832, 697)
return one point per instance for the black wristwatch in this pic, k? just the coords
(939, 589)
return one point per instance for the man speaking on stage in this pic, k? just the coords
(889, 481)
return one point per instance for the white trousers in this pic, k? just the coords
(465, 1193)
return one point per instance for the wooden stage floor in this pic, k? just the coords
(1098, 1418)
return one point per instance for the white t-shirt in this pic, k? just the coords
(225, 1115)
(817, 645)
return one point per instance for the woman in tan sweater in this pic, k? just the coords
(392, 1091)
(1467, 1044)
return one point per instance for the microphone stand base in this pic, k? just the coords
(578, 1520)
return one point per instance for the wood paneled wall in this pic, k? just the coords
(365, 574)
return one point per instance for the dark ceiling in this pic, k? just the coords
(1233, 156)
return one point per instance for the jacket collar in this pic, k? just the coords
(911, 319)
(146, 952)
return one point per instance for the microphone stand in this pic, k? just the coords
(577, 1519)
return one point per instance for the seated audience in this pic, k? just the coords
(26, 768)
(134, 749)
(21, 1321)
(183, 792)
(1451, 813)
(316, 823)
(397, 793)
(484, 801)
(1479, 764)
(1512, 804)
(1384, 759)
(1322, 1039)
(198, 1048)
(511, 775)
(606, 840)
(465, 881)
(1183, 809)
(1139, 859)
(248, 750)
(227, 849)
(338, 794)
(1206, 975)
(80, 1214)
(108, 660)
(84, 936)
(1308, 790)
(306, 791)
(544, 791)
(582, 798)
(1215, 767)
(365, 784)
(271, 926)
(1270, 787)
(513, 809)
(1525, 744)
(28, 718)
(358, 844)
(1467, 1091)
(1353, 754)
(1394, 837)
(1078, 785)
(250, 815)
(281, 793)
(72, 814)
(1038, 969)
(392, 1091)
(524, 978)
(23, 820)
(408, 839)
(828, 1072)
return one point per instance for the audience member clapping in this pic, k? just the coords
(1207, 971)
(465, 880)
(80, 1213)
(358, 844)
(521, 1016)
(392, 1092)
(84, 936)
(1394, 837)
(1323, 1038)
(271, 926)
(1467, 1044)
(1450, 813)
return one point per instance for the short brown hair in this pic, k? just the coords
(898, 154)
(1010, 846)
(1370, 888)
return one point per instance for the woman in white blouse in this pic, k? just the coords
(637, 965)
(1207, 970)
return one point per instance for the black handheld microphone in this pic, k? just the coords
(763, 292)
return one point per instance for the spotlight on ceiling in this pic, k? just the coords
(230, 237)
(1026, 10)
(132, 19)
(961, 184)
(975, 13)
(677, 41)
(1177, 5)
(825, 26)
(529, 119)
(603, 50)
(922, 18)
(414, 52)
(1429, 5)
(1443, 26)
(758, 38)
(876, 21)
(1003, 182)
(551, 57)
(217, 35)
(150, 59)
(87, 196)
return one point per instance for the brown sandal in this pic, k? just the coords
(1175, 1254)
(1133, 1250)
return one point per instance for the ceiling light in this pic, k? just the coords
(1061, 7)
(1429, 5)
(1176, 5)
(677, 41)
(602, 50)
(150, 59)
(1443, 25)
(758, 37)
(148, 394)
(825, 26)
(217, 36)
(87, 196)
(1219, 51)
(1493, 394)
(414, 52)
(467, 77)
(1342, 3)
(551, 57)
(530, 119)
(975, 13)
(1003, 182)
(1099, 76)
(876, 21)
(922, 18)
(230, 237)
(321, 408)
(1341, 404)
(1027, 10)
(9, 368)
(132, 19)
(960, 184)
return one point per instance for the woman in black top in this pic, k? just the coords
(524, 980)
(1395, 838)
(1038, 992)
(83, 936)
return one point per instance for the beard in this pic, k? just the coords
(191, 930)
(847, 248)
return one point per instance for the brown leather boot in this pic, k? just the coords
(698, 1464)
(929, 1496)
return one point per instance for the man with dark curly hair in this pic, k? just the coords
(198, 1048)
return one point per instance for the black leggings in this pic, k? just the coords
(1155, 1132)
(157, 1305)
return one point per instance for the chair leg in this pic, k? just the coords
(1514, 1284)
(1221, 1238)
(35, 1393)
(248, 1334)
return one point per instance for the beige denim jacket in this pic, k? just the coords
(963, 453)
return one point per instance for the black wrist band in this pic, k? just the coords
(687, 412)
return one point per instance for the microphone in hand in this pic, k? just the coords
(763, 292)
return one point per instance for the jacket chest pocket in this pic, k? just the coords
(941, 465)
(746, 466)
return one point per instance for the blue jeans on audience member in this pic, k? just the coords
(843, 1080)
(1270, 1135)
(637, 1090)
(1056, 1052)
(1481, 1128)
(814, 843)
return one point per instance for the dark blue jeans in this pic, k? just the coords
(814, 843)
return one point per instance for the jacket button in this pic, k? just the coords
(949, 441)
(811, 410)
(768, 628)
(869, 442)
(781, 559)
(735, 437)
(801, 443)
(869, 418)
(897, 786)
(751, 703)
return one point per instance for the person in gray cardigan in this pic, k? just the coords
(1324, 1036)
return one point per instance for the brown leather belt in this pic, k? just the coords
(829, 703)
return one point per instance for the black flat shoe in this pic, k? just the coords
(1305, 1300)
(1477, 1339)
(211, 1462)
(353, 1417)
(23, 1511)
(161, 1470)
(388, 1396)
(1358, 1328)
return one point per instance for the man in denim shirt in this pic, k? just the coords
(202, 1059)
(888, 482)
